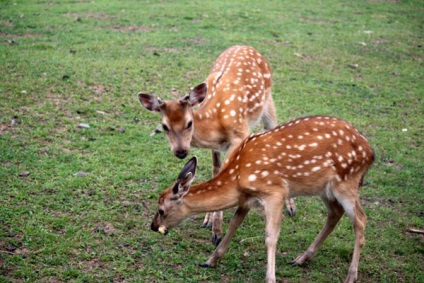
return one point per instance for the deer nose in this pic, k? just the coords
(154, 227)
(181, 153)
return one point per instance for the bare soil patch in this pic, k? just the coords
(90, 15)
(319, 21)
(6, 24)
(8, 35)
(133, 29)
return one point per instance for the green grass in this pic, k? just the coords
(69, 62)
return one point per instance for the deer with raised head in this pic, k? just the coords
(317, 155)
(234, 98)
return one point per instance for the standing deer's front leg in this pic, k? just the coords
(217, 217)
(274, 213)
(214, 219)
(291, 207)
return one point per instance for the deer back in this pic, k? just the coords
(302, 155)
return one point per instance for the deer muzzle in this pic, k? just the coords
(159, 228)
(181, 153)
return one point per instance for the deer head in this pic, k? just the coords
(177, 117)
(171, 208)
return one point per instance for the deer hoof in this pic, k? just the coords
(216, 240)
(207, 225)
(204, 265)
(292, 211)
(294, 263)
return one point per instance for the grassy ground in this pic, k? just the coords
(76, 203)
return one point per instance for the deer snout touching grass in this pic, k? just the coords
(317, 155)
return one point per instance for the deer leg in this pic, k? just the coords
(274, 215)
(335, 212)
(291, 207)
(216, 217)
(269, 120)
(207, 221)
(209, 217)
(216, 162)
(217, 227)
(235, 222)
(358, 219)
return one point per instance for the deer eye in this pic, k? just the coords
(165, 128)
(189, 125)
(161, 212)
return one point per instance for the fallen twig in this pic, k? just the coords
(415, 231)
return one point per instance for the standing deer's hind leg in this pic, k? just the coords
(269, 118)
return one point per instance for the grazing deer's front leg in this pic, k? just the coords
(335, 212)
(235, 222)
(274, 214)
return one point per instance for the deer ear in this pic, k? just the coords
(197, 94)
(150, 102)
(189, 167)
(185, 178)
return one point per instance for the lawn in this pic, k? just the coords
(80, 174)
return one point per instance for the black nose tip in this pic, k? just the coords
(154, 227)
(181, 153)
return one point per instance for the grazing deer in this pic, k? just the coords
(235, 97)
(317, 155)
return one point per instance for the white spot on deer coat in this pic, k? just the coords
(316, 168)
(252, 177)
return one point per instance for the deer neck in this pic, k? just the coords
(206, 132)
(217, 194)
